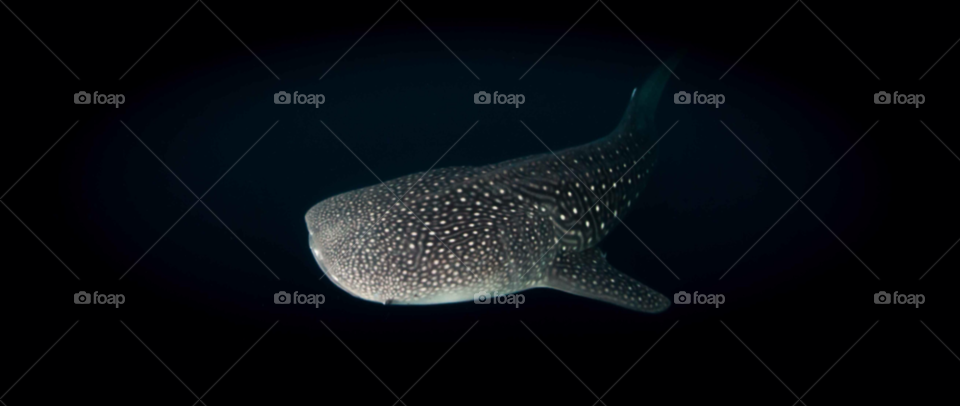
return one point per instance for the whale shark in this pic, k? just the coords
(466, 233)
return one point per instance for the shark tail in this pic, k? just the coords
(643, 103)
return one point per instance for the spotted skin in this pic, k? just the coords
(449, 234)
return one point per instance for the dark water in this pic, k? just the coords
(797, 294)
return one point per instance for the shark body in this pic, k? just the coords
(453, 234)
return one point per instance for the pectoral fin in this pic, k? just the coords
(587, 273)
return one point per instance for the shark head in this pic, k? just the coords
(380, 250)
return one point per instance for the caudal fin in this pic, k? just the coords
(643, 102)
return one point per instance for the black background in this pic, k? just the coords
(200, 299)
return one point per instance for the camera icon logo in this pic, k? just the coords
(481, 298)
(81, 297)
(881, 97)
(281, 97)
(281, 297)
(81, 97)
(681, 97)
(481, 97)
(681, 297)
(881, 297)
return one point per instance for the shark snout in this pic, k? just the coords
(316, 247)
